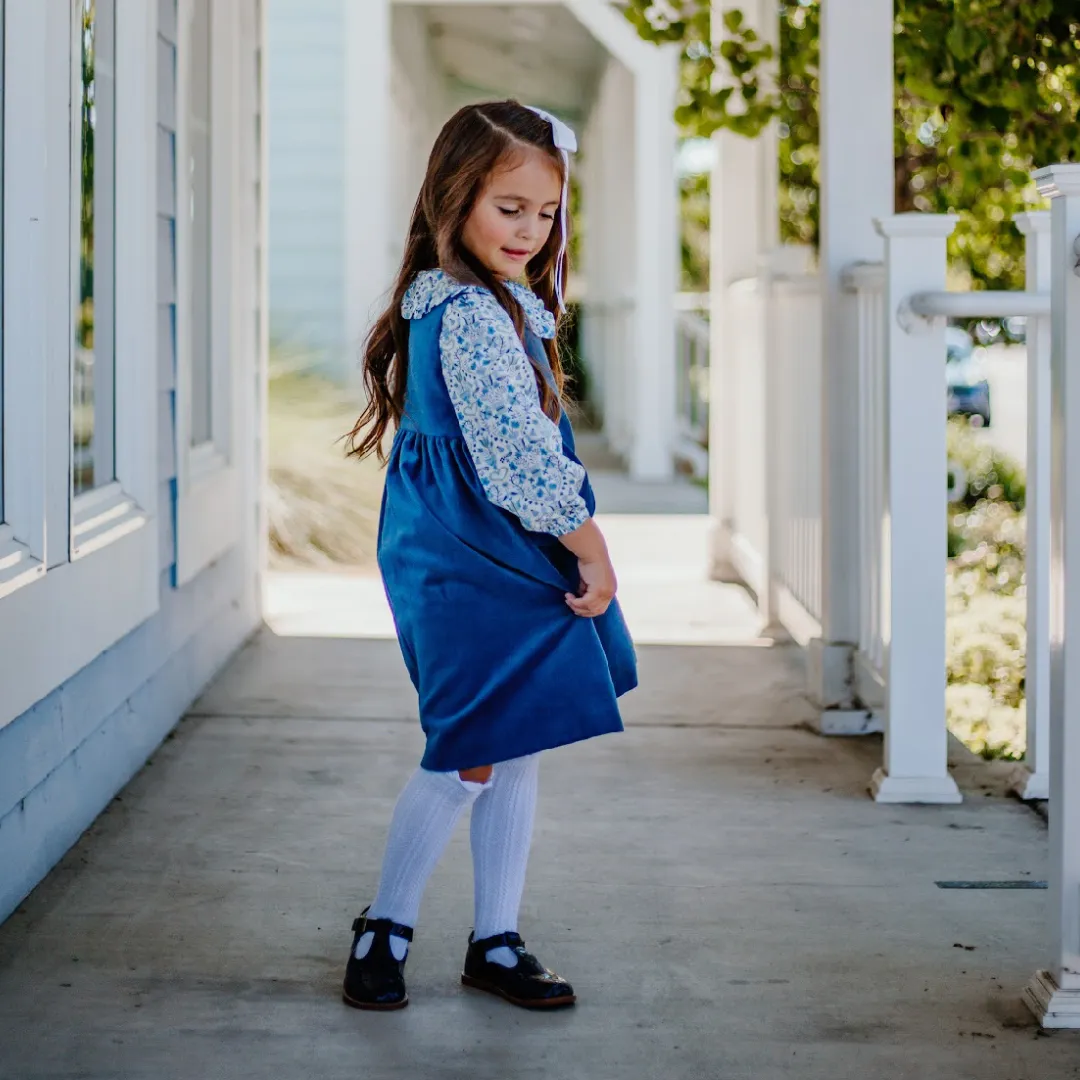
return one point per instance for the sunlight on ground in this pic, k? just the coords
(324, 512)
(663, 589)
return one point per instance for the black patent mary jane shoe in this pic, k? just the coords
(378, 980)
(528, 984)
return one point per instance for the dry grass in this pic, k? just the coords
(323, 507)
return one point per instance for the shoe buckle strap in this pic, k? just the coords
(509, 938)
(363, 925)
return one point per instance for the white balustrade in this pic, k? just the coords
(772, 386)
(867, 282)
(608, 341)
(692, 335)
(899, 664)
(793, 351)
(744, 376)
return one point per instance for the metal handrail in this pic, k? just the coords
(989, 304)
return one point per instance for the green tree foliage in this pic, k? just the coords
(986, 91)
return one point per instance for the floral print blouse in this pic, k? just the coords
(515, 446)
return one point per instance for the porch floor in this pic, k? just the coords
(720, 889)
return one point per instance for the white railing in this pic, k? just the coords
(692, 382)
(608, 342)
(793, 355)
(744, 411)
(867, 282)
(901, 310)
(771, 369)
(771, 378)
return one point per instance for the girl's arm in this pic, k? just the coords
(515, 447)
(598, 582)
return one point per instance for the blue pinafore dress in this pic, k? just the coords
(501, 665)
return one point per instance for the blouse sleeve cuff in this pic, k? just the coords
(562, 520)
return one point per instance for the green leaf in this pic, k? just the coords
(962, 41)
(733, 20)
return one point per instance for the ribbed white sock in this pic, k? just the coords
(424, 818)
(501, 835)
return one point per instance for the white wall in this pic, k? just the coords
(608, 251)
(306, 106)
(420, 104)
(63, 759)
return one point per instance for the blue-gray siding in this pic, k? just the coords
(65, 758)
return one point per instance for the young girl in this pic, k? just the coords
(499, 579)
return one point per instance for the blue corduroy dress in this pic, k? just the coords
(502, 667)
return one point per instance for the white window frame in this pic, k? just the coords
(92, 575)
(22, 523)
(209, 490)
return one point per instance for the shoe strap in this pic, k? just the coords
(508, 938)
(364, 925)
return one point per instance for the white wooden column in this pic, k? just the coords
(744, 220)
(368, 214)
(914, 530)
(857, 182)
(1032, 779)
(656, 231)
(611, 286)
(1054, 993)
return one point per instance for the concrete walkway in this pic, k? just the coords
(726, 899)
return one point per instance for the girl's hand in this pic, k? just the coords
(597, 588)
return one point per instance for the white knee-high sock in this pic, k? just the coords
(424, 818)
(501, 835)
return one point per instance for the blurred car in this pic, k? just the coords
(967, 387)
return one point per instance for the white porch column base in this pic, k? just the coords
(830, 680)
(1052, 1006)
(914, 789)
(721, 565)
(850, 722)
(1030, 785)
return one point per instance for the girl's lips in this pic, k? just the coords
(515, 254)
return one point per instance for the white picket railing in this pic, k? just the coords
(744, 411)
(771, 374)
(867, 281)
(793, 357)
(608, 342)
(692, 381)
(772, 379)
(901, 308)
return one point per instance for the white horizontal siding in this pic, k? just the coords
(64, 758)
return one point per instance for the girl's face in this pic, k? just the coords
(514, 214)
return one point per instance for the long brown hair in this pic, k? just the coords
(473, 143)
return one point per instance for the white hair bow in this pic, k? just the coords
(565, 141)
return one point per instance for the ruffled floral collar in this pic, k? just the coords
(430, 288)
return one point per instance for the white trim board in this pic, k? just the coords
(97, 577)
(208, 481)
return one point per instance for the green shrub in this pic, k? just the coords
(990, 474)
(986, 547)
(986, 600)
